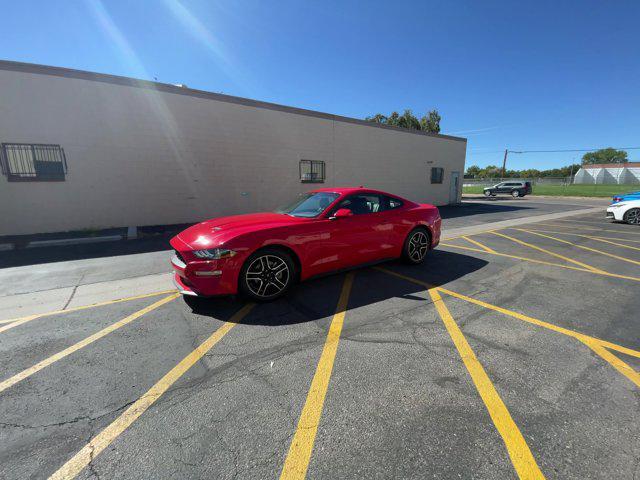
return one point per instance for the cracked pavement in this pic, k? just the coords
(400, 402)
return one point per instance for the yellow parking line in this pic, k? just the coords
(628, 260)
(519, 316)
(484, 247)
(519, 452)
(583, 235)
(612, 243)
(297, 461)
(563, 220)
(576, 227)
(549, 252)
(83, 343)
(526, 259)
(101, 441)
(617, 363)
(542, 323)
(14, 322)
(532, 260)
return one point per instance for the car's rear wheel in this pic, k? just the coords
(267, 275)
(515, 193)
(416, 246)
(632, 216)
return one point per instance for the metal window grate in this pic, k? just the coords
(437, 174)
(312, 171)
(25, 162)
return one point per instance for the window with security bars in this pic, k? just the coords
(312, 171)
(26, 162)
(437, 174)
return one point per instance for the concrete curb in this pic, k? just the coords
(73, 241)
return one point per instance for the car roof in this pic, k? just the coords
(343, 190)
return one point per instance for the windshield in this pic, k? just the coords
(309, 204)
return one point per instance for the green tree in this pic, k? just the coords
(473, 170)
(409, 120)
(377, 118)
(431, 122)
(604, 155)
(428, 123)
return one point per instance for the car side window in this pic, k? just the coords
(361, 204)
(389, 203)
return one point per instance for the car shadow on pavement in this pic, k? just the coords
(316, 299)
(467, 209)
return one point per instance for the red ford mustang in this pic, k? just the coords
(262, 254)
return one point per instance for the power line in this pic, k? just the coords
(575, 150)
(507, 152)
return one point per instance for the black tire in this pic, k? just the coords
(632, 216)
(279, 276)
(516, 193)
(487, 193)
(408, 249)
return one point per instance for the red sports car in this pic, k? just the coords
(262, 254)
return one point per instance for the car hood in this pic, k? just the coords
(217, 231)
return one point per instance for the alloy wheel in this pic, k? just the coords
(267, 276)
(633, 216)
(418, 246)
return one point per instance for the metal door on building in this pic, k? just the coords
(454, 187)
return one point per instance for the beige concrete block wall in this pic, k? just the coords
(137, 156)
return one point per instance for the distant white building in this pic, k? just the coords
(609, 173)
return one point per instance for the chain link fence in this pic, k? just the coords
(553, 186)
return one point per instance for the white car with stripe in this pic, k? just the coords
(625, 211)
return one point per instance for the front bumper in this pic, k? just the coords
(205, 278)
(615, 213)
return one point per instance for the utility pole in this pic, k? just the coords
(571, 174)
(504, 163)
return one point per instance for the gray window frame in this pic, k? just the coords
(437, 175)
(316, 167)
(37, 162)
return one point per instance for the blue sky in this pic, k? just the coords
(520, 75)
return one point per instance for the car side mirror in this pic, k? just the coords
(341, 213)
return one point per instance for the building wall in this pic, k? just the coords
(141, 156)
(619, 174)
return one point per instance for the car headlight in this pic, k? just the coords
(616, 205)
(214, 253)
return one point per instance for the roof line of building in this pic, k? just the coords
(611, 165)
(169, 88)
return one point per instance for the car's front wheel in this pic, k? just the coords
(267, 275)
(632, 216)
(416, 246)
(487, 193)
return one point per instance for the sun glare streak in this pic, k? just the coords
(157, 104)
(127, 53)
(199, 31)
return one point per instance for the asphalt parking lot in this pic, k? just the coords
(511, 353)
